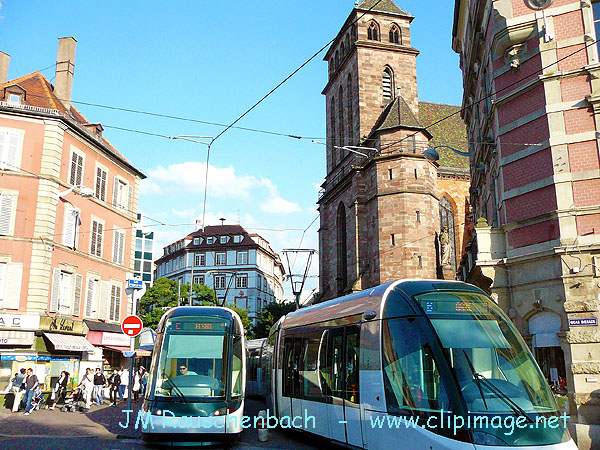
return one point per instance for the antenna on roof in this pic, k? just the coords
(222, 219)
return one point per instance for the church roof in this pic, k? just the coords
(397, 114)
(386, 6)
(450, 131)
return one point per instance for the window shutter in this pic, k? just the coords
(117, 310)
(3, 149)
(89, 298)
(93, 237)
(104, 299)
(116, 241)
(14, 273)
(100, 184)
(116, 192)
(99, 240)
(55, 290)
(69, 227)
(122, 248)
(77, 295)
(6, 207)
(12, 151)
(129, 198)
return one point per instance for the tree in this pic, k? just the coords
(162, 296)
(246, 322)
(271, 314)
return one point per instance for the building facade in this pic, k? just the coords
(68, 205)
(531, 103)
(144, 245)
(380, 202)
(242, 268)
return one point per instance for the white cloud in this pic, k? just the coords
(278, 205)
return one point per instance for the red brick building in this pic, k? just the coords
(380, 203)
(532, 97)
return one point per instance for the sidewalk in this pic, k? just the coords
(100, 421)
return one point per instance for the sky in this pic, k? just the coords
(209, 62)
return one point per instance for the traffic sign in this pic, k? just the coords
(134, 283)
(132, 326)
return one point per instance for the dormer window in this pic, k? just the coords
(224, 239)
(373, 31)
(196, 241)
(14, 99)
(210, 240)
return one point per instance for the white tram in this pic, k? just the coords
(197, 377)
(416, 364)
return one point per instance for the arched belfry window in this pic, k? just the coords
(395, 35)
(349, 108)
(342, 256)
(341, 129)
(388, 84)
(373, 31)
(333, 135)
(447, 234)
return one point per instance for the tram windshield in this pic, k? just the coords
(495, 371)
(194, 359)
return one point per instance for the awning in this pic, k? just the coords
(70, 343)
(9, 337)
(116, 348)
(139, 352)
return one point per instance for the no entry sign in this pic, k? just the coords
(132, 326)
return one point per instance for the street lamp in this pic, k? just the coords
(193, 138)
(84, 191)
(432, 155)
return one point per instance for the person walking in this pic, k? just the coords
(144, 380)
(137, 385)
(87, 386)
(60, 389)
(31, 384)
(124, 374)
(17, 389)
(99, 382)
(114, 382)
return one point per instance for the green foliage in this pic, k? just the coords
(271, 314)
(246, 322)
(162, 296)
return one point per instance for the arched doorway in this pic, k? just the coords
(546, 346)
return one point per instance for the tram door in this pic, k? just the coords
(344, 408)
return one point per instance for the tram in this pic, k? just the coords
(197, 377)
(414, 364)
(257, 366)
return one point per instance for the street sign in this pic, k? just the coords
(132, 326)
(134, 283)
(592, 322)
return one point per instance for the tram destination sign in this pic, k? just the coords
(198, 325)
(591, 322)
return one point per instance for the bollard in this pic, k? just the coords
(263, 431)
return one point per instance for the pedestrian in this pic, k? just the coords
(87, 386)
(31, 384)
(144, 381)
(99, 382)
(137, 385)
(114, 382)
(18, 389)
(60, 389)
(124, 374)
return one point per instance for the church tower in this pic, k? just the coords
(379, 206)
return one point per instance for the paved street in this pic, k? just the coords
(99, 429)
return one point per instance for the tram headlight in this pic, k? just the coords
(223, 411)
(481, 438)
(159, 412)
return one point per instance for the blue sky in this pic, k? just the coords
(210, 61)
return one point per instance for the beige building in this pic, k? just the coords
(68, 208)
(531, 104)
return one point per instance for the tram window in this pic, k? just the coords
(236, 367)
(352, 363)
(337, 363)
(310, 372)
(411, 376)
(324, 366)
(291, 368)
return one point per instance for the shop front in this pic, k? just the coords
(111, 340)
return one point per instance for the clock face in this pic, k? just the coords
(538, 4)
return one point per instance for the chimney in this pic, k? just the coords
(4, 60)
(65, 67)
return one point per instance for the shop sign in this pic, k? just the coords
(593, 322)
(24, 321)
(61, 324)
(10, 337)
(18, 358)
(53, 358)
(117, 339)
